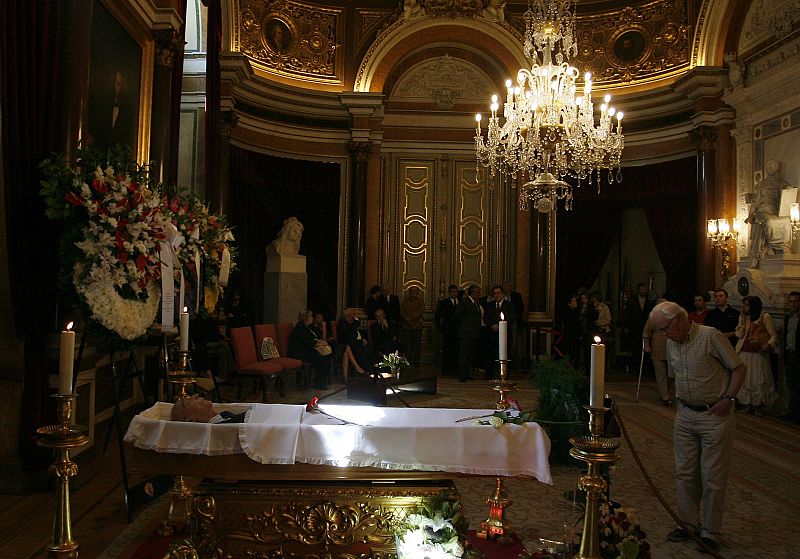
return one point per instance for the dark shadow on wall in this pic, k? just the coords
(265, 190)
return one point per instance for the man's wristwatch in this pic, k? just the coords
(728, 397)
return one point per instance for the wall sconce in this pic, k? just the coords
(722, 236)
(794, 217)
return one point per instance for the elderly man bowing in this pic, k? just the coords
(708, 375)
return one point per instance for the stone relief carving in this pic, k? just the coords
(445, 81)
(768, 18)
(412, 9)
(495, 10)
(768, 233)
(736, 70)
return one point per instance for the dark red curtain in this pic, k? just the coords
(265, 190)
(668, 193)
(30, 33)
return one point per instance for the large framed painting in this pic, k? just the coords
(120, 82)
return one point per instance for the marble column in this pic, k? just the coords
(708, 264)
(356, 230)
(167, 46)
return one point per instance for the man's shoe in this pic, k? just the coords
(679, 535)
(709, 545)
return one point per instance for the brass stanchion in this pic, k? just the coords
(180, 494)
(496, 526)
(594, 450)
(63, 437)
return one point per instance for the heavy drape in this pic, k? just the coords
(667, 192)
(30, 33)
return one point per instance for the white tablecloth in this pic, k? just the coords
(426, 439)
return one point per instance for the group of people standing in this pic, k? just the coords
(587, 315)
(470, 325)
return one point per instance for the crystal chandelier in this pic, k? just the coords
(547, 132)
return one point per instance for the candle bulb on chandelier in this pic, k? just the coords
(184, 330)
(478, 118)
(66, 361)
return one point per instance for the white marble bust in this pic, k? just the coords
(287, 243)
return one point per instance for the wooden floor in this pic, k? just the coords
(762, 500)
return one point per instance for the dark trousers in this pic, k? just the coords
(467, 350)
(449, 354)
(792, 362)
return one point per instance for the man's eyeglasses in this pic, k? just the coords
(666, 328)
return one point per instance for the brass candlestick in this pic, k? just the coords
(63, 437)
(594, 450)
(181, 376)
(496, 526)
(503, 386)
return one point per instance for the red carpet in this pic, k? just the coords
(155, 547)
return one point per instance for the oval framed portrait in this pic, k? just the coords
(743, 286)
(278, 34)
(630, 45)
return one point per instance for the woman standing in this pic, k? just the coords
(757, 338)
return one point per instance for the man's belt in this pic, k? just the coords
(704, 407)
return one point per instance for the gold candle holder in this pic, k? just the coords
(182, 377)
(61, 438)
(594, 450)
(496, 527)
(503, 386)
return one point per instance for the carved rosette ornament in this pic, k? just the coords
(361, 151)
(291, 39)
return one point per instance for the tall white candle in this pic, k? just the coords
(66, 361)
(184, 330)
(502, 331)
(598, 374)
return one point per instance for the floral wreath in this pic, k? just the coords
(114, 225)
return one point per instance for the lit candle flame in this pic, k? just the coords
(69, 326)
(185, 309)
(502, 317)
(597, 339)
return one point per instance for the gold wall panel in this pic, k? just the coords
(471, 211)
(291, 39)
(416, 209)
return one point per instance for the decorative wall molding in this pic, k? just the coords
(768, 19)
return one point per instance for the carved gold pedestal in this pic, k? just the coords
(181, 494)
(63, 437)
(336, 520)
(503, 386)
(594, 450)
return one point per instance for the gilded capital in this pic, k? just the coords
(227, 122)
(168, 45)
(704, 137)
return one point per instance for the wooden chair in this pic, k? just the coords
(247, 363)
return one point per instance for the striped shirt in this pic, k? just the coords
(701, 365)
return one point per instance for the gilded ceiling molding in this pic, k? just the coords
(711, 29)
(405, 36)
(291, 39)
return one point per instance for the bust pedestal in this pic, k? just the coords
(285, 287)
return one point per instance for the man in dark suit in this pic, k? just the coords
(516, 326)
(391, 304)
(496, 310)
(637, 312)
(724, 317)
(791, 344)
(445, 319)
(470, 322)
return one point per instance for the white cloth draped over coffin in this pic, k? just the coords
(425, 439)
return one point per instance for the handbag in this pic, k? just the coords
(268, 349)
(322, 347)
(758, 335)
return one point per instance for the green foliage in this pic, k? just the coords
(563, 391)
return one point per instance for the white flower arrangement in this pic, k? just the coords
(429, 537)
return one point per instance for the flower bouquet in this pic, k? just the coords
(621, 537)
(394, 362)
(430, 533)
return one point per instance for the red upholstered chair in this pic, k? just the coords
(247, 363)
(269, 330)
